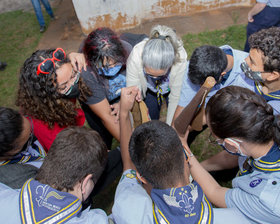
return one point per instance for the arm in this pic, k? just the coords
(258, 7)
(210, 187)
(134, 66)
(103, 110)
(176, 79)
(220, 161)
(128, 96)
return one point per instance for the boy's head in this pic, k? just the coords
(76, 153)
(157, 153)
(207, 61)
(264, 56)
(14, 132)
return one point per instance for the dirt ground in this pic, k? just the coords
(66, 32)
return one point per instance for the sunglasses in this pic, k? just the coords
(46, 66)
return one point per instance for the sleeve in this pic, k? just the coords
(132, 204)
(188, 90)
(134, 67)
(249, 205)
(262, 1)
(175, 86)
(97, 89)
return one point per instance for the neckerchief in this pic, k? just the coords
(160, 85)
(186, 204)
(268, 163)
(32, 152)
(40, 203)
(271, 96)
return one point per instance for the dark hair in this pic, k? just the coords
(103, 43)
(157, 152)
(206, 61)
(38, 95)
(11, 127)
(268, 41)
(238, 112)
(75, 153)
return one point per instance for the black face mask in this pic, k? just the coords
(74, 93)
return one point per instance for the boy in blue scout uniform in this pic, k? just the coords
(155, 186)
(21, 154)
(263, 15)
(66, 178)
(221, 63)
(262, 66)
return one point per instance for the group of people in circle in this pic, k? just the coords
(58, 165)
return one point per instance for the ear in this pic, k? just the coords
(223, 73)
(142, 179)
(85, 183)
(273, 76)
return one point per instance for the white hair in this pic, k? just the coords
(161, 50)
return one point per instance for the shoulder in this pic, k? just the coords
(9, 202)
(131, 201)
(91, 216)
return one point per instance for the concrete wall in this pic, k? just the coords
(124, 14)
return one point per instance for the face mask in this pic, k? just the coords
(235, 141)
(74, 92)
(256, 76)
(110, 71)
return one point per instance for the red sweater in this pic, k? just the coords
(46, 136)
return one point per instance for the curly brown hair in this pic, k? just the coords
(38, 95)
(268, 41)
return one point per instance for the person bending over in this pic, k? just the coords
(244, 125)
(155, 185)
(66, 178)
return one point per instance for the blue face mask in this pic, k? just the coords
(110, 71)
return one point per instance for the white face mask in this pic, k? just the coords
(229, 148)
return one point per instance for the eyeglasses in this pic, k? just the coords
(71, 82)
(158, 76)
(46, 66)
(228, 147)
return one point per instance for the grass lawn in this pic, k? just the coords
(19, 37)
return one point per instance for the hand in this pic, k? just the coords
(128, 97)
(250, 18)
(78, 59)
(115, 111)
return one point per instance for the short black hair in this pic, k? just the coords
(157, 153)
(75, 153)
(11, 127)
(206, 61)
(268, 41)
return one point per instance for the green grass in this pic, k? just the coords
(19, 37)
(234, 36)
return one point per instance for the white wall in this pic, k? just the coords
(122, 14)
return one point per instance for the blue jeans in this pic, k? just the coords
(38, 11)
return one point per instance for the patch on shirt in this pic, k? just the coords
(255, 183)
(131, 174)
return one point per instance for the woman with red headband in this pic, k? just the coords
(48, 89)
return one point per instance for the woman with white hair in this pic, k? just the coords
(157, 66)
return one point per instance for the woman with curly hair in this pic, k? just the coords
(104, 58)
(157, 66)
(48, 89)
